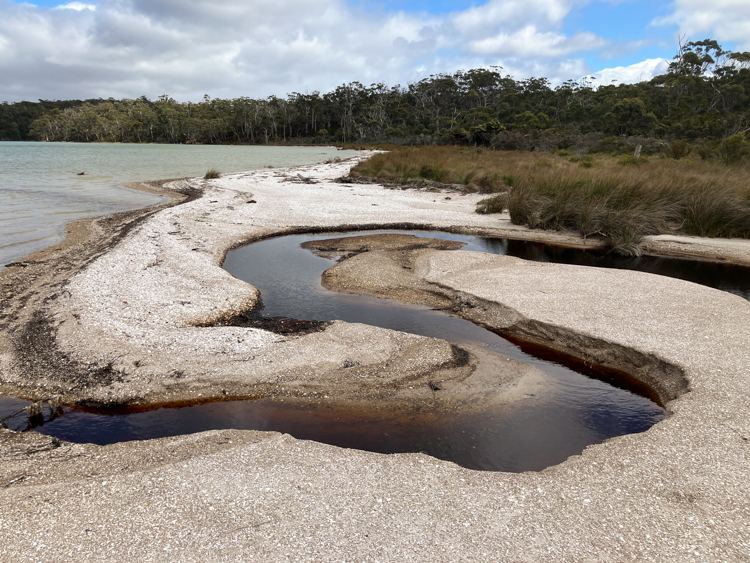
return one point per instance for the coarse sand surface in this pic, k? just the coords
(139, 310)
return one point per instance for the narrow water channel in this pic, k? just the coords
(725, 277)
(572, 412)
(576, 409)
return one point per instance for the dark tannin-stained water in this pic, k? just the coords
(573, 410)
(726, 277)
(515, 439)
(538, 431)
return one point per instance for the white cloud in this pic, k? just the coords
(531, 42)
(512, 13)
(632, 74)
(77, 6)
(723, 20)
(129, 48)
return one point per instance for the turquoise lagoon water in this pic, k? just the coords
(41, 191)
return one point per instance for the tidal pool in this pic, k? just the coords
(576, 408)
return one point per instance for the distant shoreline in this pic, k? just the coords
(78, 178)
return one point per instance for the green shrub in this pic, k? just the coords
(626, 159)
(611, 145)
(680, 149)
(734, 148)
(584, 161)
(705, 151)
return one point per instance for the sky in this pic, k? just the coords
(258, 48)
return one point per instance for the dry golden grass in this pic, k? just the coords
(617, 199)
(476, 168)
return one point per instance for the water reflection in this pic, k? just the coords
(527, 435)
(726, 277)
(508, 438)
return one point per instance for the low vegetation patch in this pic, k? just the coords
(617, 199)
(470, 169)
(212, 174)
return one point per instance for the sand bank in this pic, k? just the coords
(134, 325)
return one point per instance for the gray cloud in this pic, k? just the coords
(257, 48)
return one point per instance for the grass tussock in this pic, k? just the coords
(495, 204)
(617, 199)
(212, 174)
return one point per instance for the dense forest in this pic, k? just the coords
(703, 100)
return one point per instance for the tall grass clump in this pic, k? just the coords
(474, 170)
(612, 200)
(212, 174)
(495, 204)
(623, 204)
(717, 212)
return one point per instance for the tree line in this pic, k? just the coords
(704, 98)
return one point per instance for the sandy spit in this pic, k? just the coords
(139, 305)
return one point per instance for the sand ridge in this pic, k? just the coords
(679, 492)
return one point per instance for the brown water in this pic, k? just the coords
(725, 277)
(530, 434)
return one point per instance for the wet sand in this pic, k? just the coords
(125, 313)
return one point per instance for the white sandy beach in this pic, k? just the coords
(678, 492)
